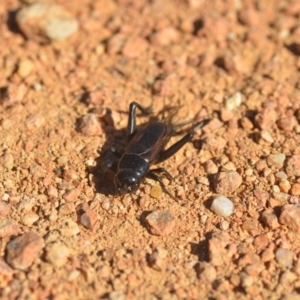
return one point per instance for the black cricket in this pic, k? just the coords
(145, 148)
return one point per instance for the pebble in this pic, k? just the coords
(283, 197)
(52, 191)
(57, 254)
(249, 225)
(4, 209)
(210, 167)
(165, 36)
(156, 192)
(270, 219)
(7, 160)
(261, 195)
(284, 257)
(218, 254)
(293, 165)
(206, 272)
(89, 218)
(69, 228)
(160, 222)
(66, 209)
(295, 189)
(222, 206)
(29, 218)
(276, 160)
(234, 101)
(157, 259)
(25, 67)
(8, 228)
(89, 125)
(227, 182)
(267, 255)
(261, 241)
(224, 225)
(266, 118)
(287, 123)
(5, 269)
(284, 185)
(23, 250)
(266, 136)
(71, 195)
(44, 22)
(134, 47)
(290, 216)
(214, 144)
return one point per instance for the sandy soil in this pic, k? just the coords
(64, 234)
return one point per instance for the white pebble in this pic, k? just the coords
(234, 101)
(222, 206)
(224, 225)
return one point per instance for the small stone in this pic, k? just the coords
(294, 200)
(7, 160)
(52, 191)
(134, 47)
(106, 204)
(283, 197)
(293, 165)
(295, 189)
(210, 167)
(222, 206)
(165, 36)
(284, 257)
(214, 144)
(25, 67)
(227, 182)
(4, 209)
(89, 125)
(69, 228)
(66, 209)
(249, 225)
(266, 118)
(206, 272)
(157, 259)
(267, 255)
(22, 251)
(261, 241)
(266, 136)
(287, 123)
(156, 192)
(284, 185)
(290, 216)
(160, 222)
(269, 219)
(276, 160)
(218, 254)
(5, 269)
(234, 101)
(89, 218)
(57, 254)
(261, 195)
(8, 228)
(46, 22)
(29, 218)
(224, 225)
(71, 195)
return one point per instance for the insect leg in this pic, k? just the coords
(163, 170)
(131, 126)
(178, 145)
(157, 178)
(174, 148)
